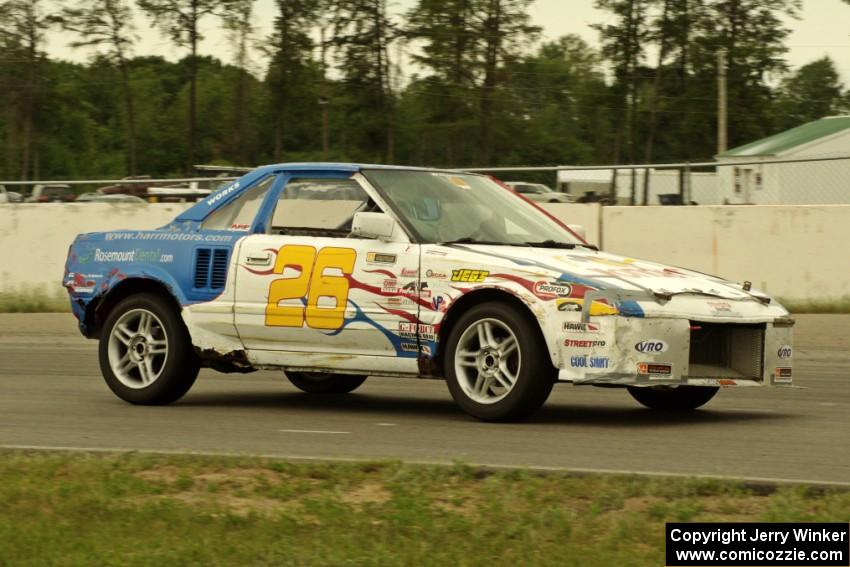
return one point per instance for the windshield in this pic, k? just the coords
(448, 207)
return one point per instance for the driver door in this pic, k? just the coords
(304, 284)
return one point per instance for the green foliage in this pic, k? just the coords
(810, 93)
(485, 92)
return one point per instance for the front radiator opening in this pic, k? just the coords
(726, 350)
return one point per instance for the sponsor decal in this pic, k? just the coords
(414, 288)
(240, 226)
(113, 256)
(782, 374)
(584, 343)
(409, 347)
(571, 306)
(409, 331)
(454, 180)
(552, 290)
(655, 369)
(784, 352)
(397, 301)
(222, 194)
(126, 256)
(440, 304)
(579, 327)
(168, 235)
(409, 272)
(389, 286)
(471, 276)
(379, 258)
(81, 283)
(720, 306)
(576, 305)
(435, 275)
(651, 346)
(584, 361)
(425, 349)
(459, 182)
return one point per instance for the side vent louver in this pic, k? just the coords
(218, 274)
(211, 268)
(202, 267)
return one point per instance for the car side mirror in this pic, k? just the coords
(578, 229)
(374, 225)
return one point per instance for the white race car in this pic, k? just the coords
(335, 272)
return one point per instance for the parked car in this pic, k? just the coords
(51, 194)
(416, 273)
(101, 198)
(9, 196)
(136, 189)
(161, 191)
(538, 192)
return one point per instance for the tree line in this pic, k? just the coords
(448, 83)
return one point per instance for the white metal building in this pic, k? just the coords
(817, 182)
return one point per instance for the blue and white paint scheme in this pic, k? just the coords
(347, 303)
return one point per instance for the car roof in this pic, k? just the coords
(344, 167)
(205, 206)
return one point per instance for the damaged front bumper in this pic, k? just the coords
(672, 341)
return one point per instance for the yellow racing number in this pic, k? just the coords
(321, 278)
(300, 258)
(329, 282)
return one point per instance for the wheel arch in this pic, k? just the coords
(98, 310)
(477, 297)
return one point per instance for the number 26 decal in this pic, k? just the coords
(321, 276)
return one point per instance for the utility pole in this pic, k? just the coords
(323, 98)
(721, 101)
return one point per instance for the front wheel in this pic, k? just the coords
(673, 398)
(496, 363)
(145, 352)
(323, 383)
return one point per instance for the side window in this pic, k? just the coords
(316, 207)
(524, 189)
(240, 213)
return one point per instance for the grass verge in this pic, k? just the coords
(33, 301)
(824, 306)
(132, 509)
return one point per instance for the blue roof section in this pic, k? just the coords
(201, 209)
(333, 166)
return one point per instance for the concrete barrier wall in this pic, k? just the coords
(587, 215)
(790, 251)
(795, 252)
(34, 238)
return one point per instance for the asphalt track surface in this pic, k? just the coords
(52, 396)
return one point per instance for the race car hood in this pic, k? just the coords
(603, 271)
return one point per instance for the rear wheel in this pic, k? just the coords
(145, 352)
(324, 383)
(673, 398)
(497, 366)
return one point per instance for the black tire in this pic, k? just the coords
(535, 374)
(324, 383)
(677, 398)
(180, 367)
